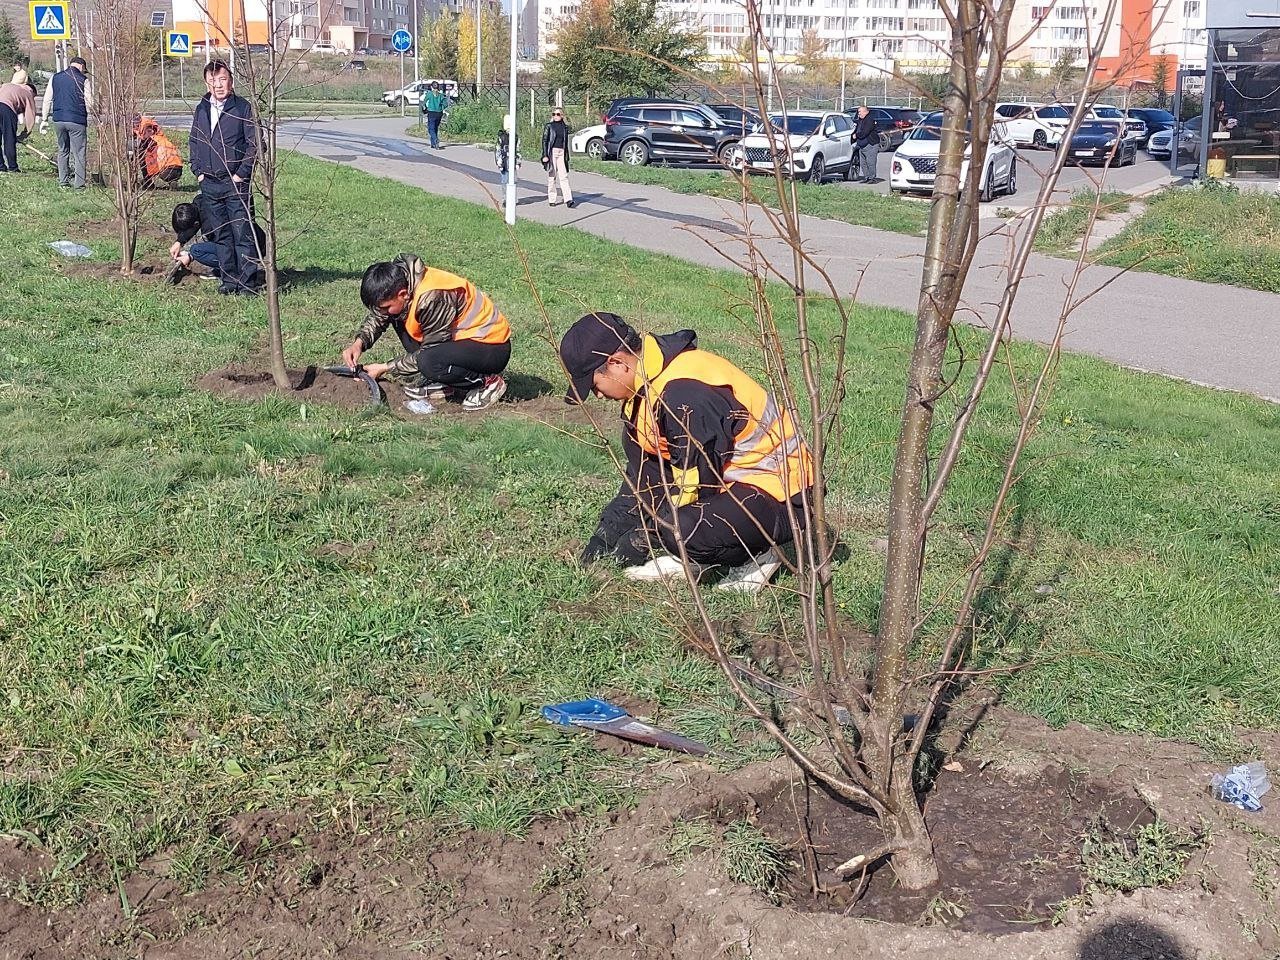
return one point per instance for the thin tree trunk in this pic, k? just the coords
(903, 826)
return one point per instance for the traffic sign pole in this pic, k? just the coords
(400, 43)
(402, 83)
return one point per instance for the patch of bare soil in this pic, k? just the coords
(528, 397)
(1008, 849)
(609, 887)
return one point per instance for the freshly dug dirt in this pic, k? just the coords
(528, 397)
(610, 888)
(1008, 849)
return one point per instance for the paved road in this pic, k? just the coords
(1215, 335)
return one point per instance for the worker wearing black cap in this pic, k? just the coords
(713, 464)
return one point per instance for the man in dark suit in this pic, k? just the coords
(224, 146)
(866, 141)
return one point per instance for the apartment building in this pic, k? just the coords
(913, 34)
(349, 25)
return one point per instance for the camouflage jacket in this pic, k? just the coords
(436, 312)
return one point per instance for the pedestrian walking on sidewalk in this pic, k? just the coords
(67, 101)
(433, 107)
(505, 155)
(555, 158)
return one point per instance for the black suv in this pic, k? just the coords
(672, 130)
(744, 119)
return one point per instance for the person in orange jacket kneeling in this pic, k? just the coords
(456, 341)
(158, 158)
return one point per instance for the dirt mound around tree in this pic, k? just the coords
(527, 396)
(1008, 828)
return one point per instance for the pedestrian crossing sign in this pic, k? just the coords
(177, 44)
(49, 20)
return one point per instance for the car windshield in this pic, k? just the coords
(1110, 113)
(930, 128)
(1053, 113)
(1096, 128)
(1156, 116)
(797, 125)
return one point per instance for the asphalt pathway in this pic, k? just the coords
(1211, 334)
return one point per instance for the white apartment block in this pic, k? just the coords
(913, 34)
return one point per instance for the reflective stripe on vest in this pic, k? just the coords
(479, 319)
(767, 452)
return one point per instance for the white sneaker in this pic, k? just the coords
(420, 407)
(485, 395)
(751, 576)
(429, 391)
(665, 567)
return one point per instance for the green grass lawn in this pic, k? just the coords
(1063, 229)
(1214, 233)
(214, 607)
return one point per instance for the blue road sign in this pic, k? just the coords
(401, 41)
(49, 21)
(177, 44)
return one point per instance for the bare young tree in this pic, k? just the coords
(264, 74)
(118, 57)
(865, 712)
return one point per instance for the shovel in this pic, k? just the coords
(357, 372)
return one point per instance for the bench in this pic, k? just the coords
(1255, 163)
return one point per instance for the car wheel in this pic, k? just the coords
(595, 148)
(886, 141)
(1011, 187)
(1040, 140)
(734, 157)
(989, 188)
(818, 172)
(728, 153)
(634, 153)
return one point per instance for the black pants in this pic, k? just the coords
(229, 209)
(462, 363)
(724, 529)
(8, 138)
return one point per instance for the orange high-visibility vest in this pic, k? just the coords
(161, 155)
(767, 452)
(479, 319)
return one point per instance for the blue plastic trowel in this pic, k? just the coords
(604, 717)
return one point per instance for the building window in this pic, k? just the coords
(1191, 9)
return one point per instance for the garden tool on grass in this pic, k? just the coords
(376, 398)
(42, 155)
(605, 717)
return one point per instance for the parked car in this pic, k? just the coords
(589, 140)
(323, 46)
(816, 143)
(412, 94)
(746, 120)
(1036, 125)
(1102, 142)
(1156, 120)
(1160, 144)
(892, 123)
(355, 66)
(1135, 128)
(915, 163)
(674, 131)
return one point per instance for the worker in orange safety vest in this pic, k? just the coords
(716, 470)
(456, 341)
(158, 158)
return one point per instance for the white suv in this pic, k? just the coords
(814, 144)
(1135, 128)
(412, 94)
(915, 164)
(1032, 124)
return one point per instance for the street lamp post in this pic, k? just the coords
(416, 44)
(479, 72)
(844, 52)
(515, 126)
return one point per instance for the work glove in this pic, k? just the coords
(44, 127)
(23, 135)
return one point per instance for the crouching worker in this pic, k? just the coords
(712, 462)
(158, 158)
(456, 342)
(194, 245)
